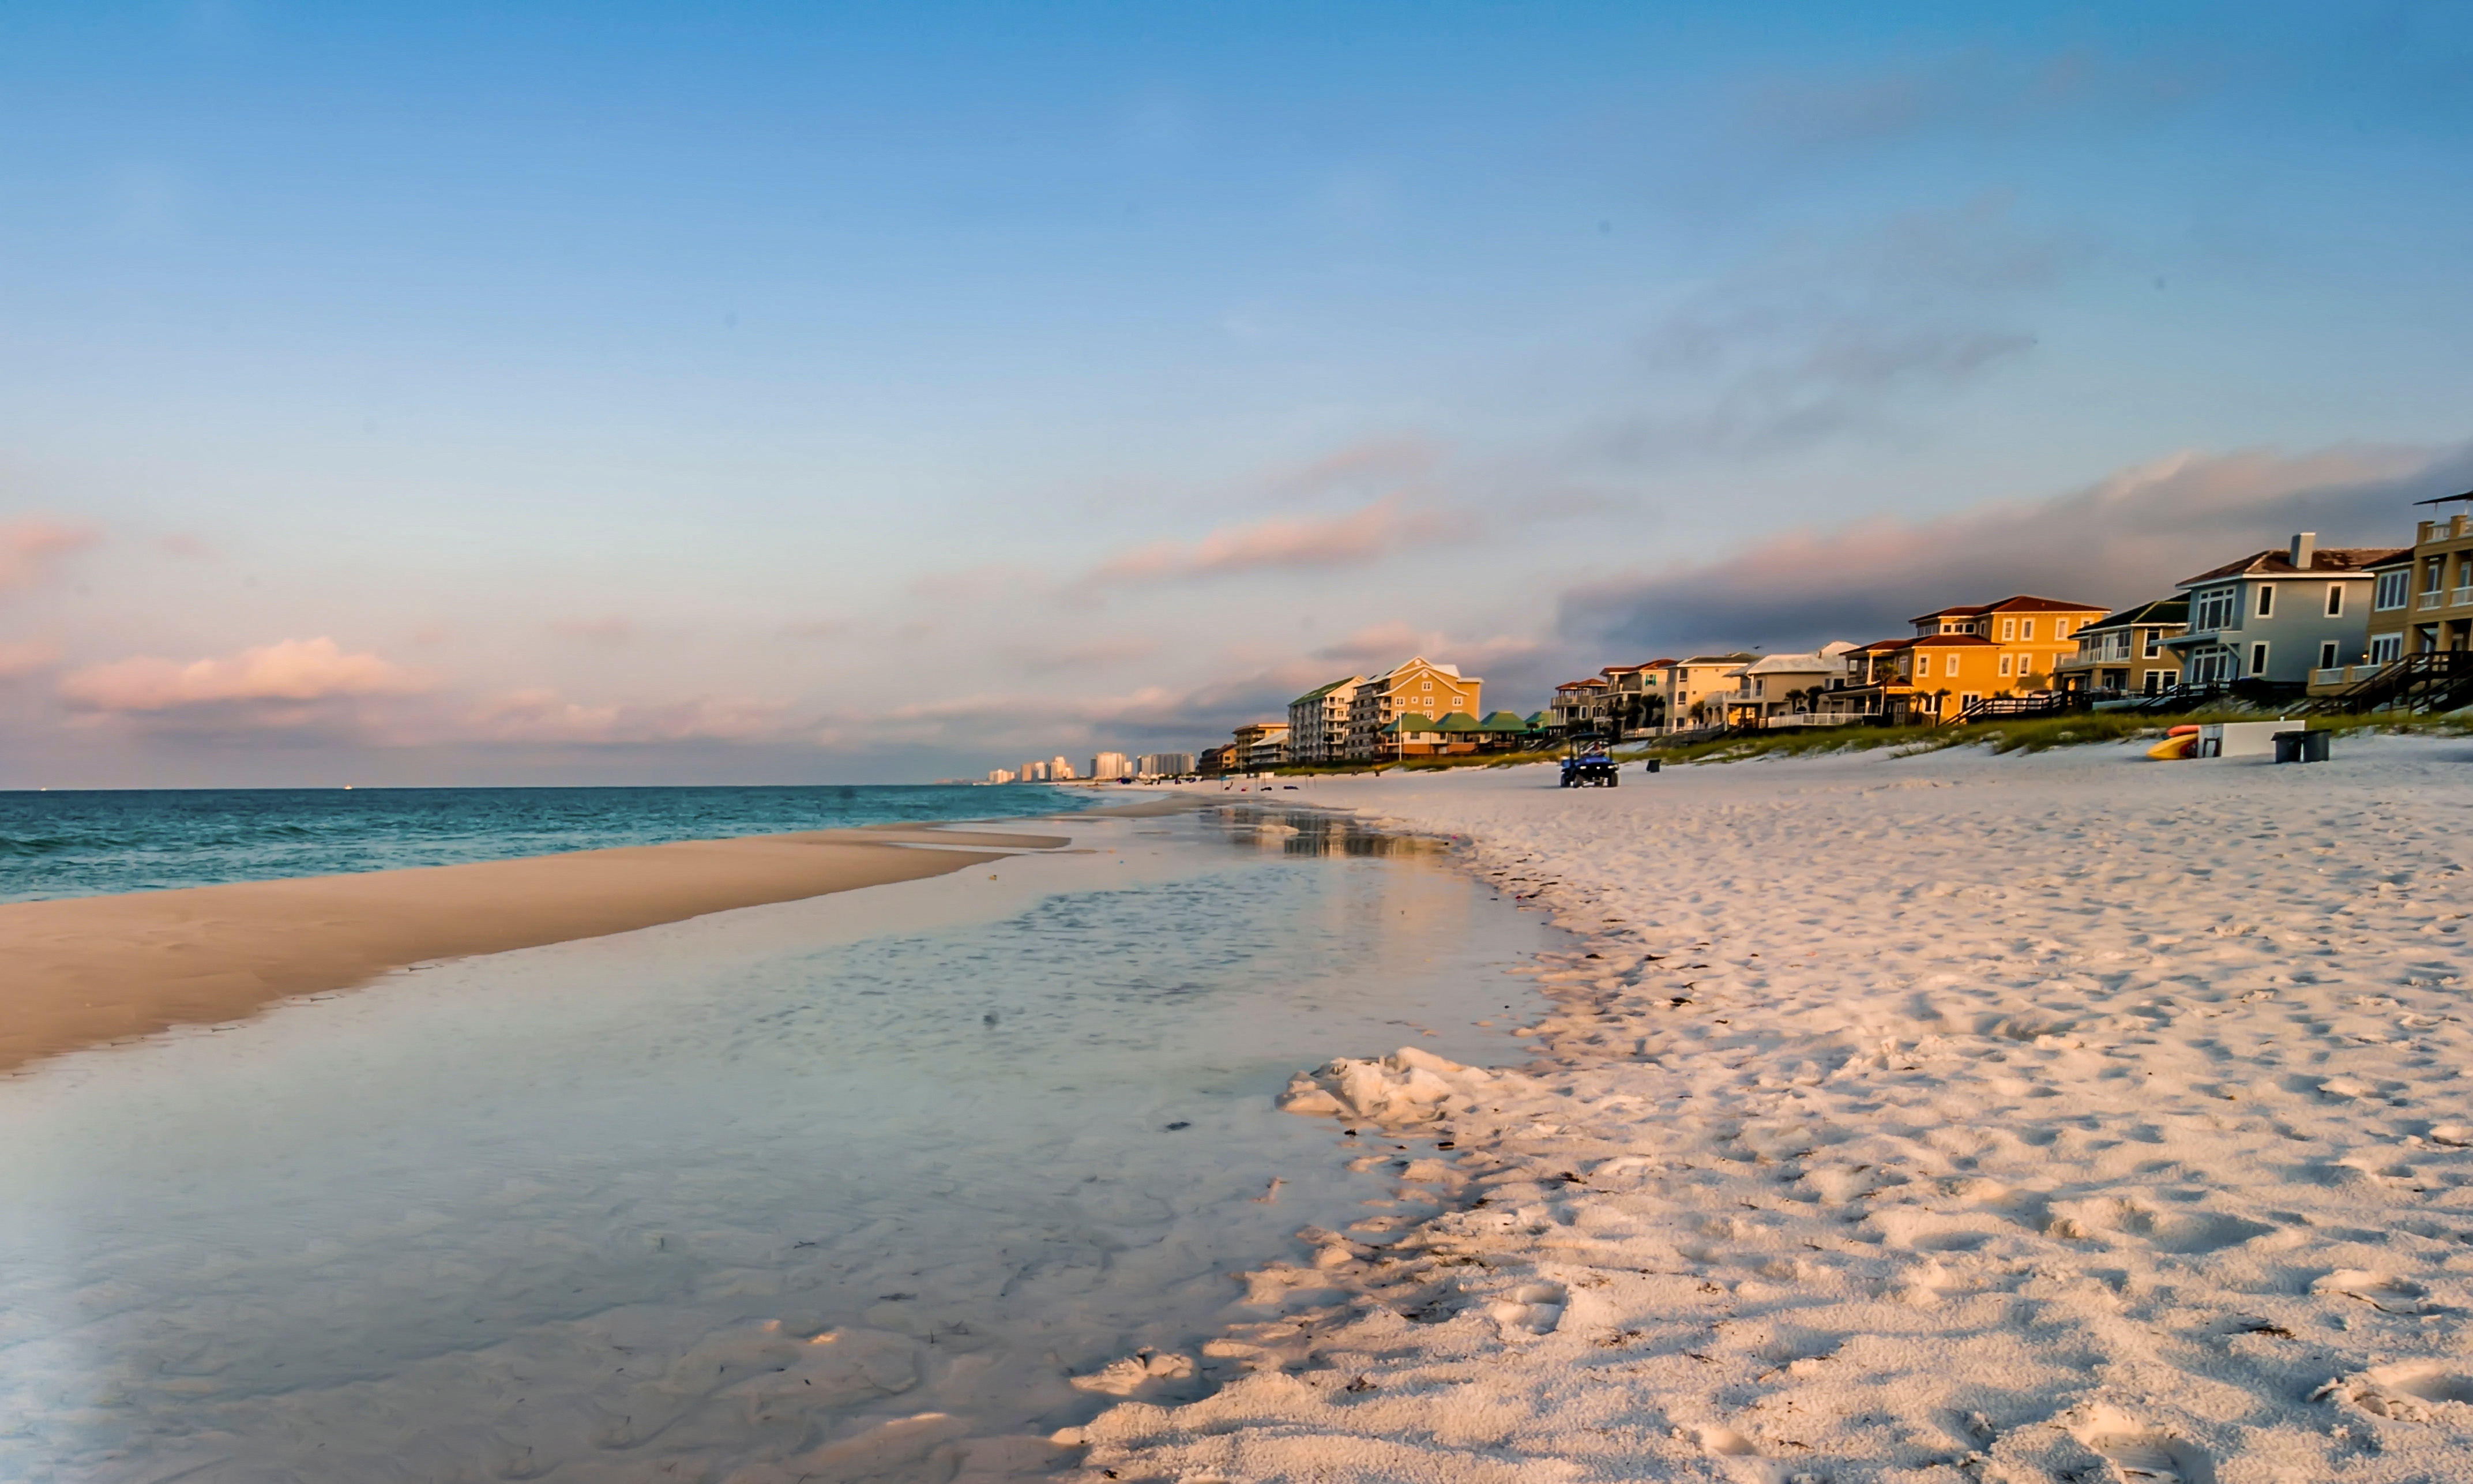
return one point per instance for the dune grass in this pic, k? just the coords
(2012, 735)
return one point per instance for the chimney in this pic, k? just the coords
(2305, 546)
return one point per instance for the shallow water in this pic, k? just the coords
(79, 843)
(734, 1194)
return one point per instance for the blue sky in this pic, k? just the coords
(438, 394)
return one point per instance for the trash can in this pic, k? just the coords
(1652, 765)
(2301, 747)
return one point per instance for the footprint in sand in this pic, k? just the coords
(2381, 1292)
(2140, 1454)
(2409, 1391)
(1530, 1310)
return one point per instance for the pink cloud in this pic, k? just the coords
(546, 716)
(611, 629)
(19, 661)
(294, 670)
(29, 549)
(1351, 539)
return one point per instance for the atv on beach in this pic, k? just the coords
(1591, 767)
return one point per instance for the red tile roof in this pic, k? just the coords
(2277, 562)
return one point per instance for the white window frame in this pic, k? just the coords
(2328, 651)
(2334, 600)
(2257, 659)
(1923, 667)
(2004, 666)
(2264, 607)
(2394, 591)
(2386, 648)
(2026, 628)
(2154, 648)
(2008, 629)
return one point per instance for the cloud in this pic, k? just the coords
(1291, 543)
(294, 671)
(1969, 93)
(2125, 538)
(808, 629)
(21, 659)
(1072, 654)
(543, 716)
(611, 630)
(182, 544)
(31, 549)
(1824, 338)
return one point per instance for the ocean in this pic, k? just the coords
(860, 1185)
(91, 843)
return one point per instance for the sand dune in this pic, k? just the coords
(2064, 1117)
(91, 969)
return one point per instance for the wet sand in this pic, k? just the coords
(88, 970)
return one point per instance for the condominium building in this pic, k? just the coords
(1111, 766)
(2422, 602)
(1318, 722)
(1164, 765)
(1416, 686)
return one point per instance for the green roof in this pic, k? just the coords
(1412, 722)
(1318, 693)
(1537, 719)
(1461, 721)
(1506, 721)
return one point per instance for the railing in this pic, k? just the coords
(2041, 703)
(2415, 683)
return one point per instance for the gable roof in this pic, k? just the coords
(2326, 561)
(1594, 680)
(2021, 602)
(1506, 721)
(1320, 691)
(2156, 612)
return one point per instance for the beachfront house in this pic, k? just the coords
(1259, 746)
(1579, 706)
(1787, 689)
(2275, 616)
(1416, 686)
(2123, 654)
(1318, 722)
(2428, 610)
(1691, 694)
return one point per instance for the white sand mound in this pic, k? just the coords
(1408, 1087)
(1940, 1118)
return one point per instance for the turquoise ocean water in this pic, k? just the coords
(88, 844)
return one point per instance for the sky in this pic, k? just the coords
(446, 394)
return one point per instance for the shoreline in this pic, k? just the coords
(1950, 1115)
(89, 971)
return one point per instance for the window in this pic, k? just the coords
(2215, 609)
(2327, 655)
(2386, 648)
(2154, 682)
(2258, 659)
(1923, 666)
(2008, 629)
(2334, 600)
(2005, 664)
(2391, 589)
(2430, 575)
(1430, 685)
(2060, 628)
(2155, 644)
(2265, 600)
(2027, 629)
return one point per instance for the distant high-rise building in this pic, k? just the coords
(1000, 774)
(1111, 766)
(1164, 765)
(1034, 773)
(1060, 769)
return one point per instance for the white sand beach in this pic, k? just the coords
(2055, 1118)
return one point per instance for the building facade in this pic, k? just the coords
(2427, 607)
(2280, 616)
(2123, 654)
(1318, 722)
(1415, 686)
(1163, 765)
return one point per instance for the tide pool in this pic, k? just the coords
(881, 1172)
